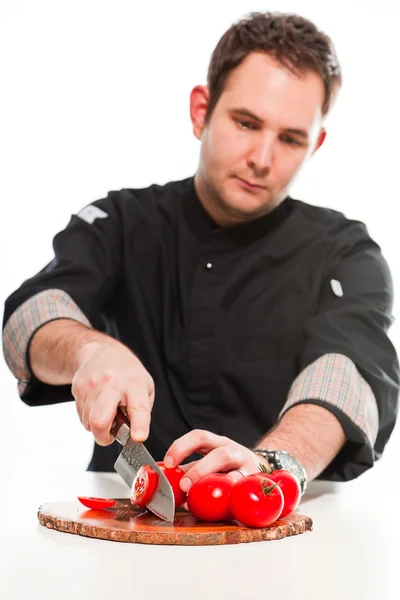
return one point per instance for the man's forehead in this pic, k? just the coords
(267, 67)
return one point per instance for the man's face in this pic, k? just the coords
(250, 151)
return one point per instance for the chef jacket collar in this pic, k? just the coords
(203, 225)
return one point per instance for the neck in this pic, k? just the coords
(220, 213)
(210, 205)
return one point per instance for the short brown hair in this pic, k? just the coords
(292, 40)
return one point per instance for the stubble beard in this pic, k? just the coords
(233, 212)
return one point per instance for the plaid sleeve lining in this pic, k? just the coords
(38, 310)
(334, 379)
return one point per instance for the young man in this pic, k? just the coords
(223, 314)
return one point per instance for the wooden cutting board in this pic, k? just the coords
(126, 523)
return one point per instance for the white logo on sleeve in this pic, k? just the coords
(91, 213)
(336, 287)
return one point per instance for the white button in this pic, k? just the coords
(336, 287)
(209, 266)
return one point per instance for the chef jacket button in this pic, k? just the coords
(209, 265)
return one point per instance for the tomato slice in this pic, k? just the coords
(174, 475)
(96, 503)
(144, 486)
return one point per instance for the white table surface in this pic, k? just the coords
(351, 553)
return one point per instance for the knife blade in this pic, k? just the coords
(133, 456)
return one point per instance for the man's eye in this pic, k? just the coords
(291, 141)
(245, 124)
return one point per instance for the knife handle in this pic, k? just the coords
(121, 428)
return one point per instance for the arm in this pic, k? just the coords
(51, 336)
(328, 408)
(310, 433)
(57, 347)
(325, 403)
(104, 374)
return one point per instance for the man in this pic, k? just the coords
(222, 314)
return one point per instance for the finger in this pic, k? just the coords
(187, 466)
(85, 419)
(86, 409)
(79, 393)
(198, 440)
(89, 401)
(218, 460)
(85, 389)
(102, 414)
(139, 405)
(237, 474)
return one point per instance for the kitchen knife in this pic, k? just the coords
(133, 456)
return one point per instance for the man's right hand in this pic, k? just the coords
(110, 375)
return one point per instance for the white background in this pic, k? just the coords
(94, 96)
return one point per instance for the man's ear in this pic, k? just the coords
(321, 139)
(198, 108)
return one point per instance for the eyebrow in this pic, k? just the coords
(246, 113)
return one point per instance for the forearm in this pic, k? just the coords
(57, 348)
(311, 433)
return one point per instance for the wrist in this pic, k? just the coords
(89, 348)
(102, 343)
(281, 459)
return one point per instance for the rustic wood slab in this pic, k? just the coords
(126, 523)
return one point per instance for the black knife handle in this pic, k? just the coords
(119, 422)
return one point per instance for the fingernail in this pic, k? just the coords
(185, 484)
(169, 462)
(139, 435)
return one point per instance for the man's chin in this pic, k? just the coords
(243, 214)
(247, 207)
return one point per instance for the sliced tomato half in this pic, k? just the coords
(96, 503)
(144, 486)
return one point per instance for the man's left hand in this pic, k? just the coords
(222, 455)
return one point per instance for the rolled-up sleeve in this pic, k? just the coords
(334, 383)
(46, 306)
(349, 364)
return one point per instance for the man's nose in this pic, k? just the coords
(261, 154)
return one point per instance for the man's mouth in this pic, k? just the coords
(251, 186)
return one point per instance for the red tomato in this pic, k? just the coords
(256, 501)
(174, 475)
(96, 503)
(291, 490)
(144, 485)
(208, 498)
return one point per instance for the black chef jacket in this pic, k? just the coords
(225, 319)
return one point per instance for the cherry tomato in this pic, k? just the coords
(144, 485)
(208, 498)
(291, 490)
(174, 475)
(96, 503)
(256, 501)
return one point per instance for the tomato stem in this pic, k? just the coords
(265, 468)
(267, 489)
